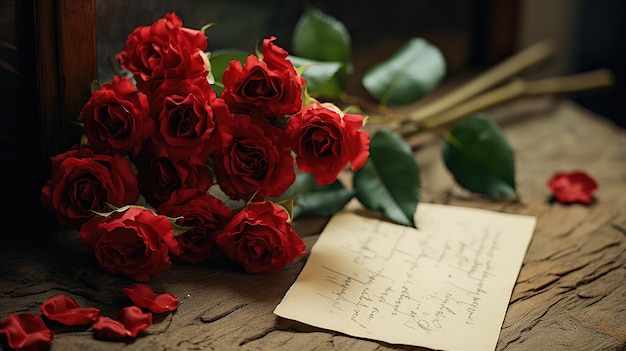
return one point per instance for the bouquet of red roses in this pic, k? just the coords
(167, 169)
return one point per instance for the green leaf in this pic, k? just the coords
(412, 72)
(311, 199)
(480, 158)
(220, 59)
(179, 229)
(390, 181)
(287, 205)
(318, 36)
(321, 77)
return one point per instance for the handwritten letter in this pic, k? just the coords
(444, 286)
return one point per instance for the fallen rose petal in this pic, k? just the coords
(134, 319)
(143, 296)
(128, 322)
(65, 310)
(26, 331)
(571, 187)
(108, 328)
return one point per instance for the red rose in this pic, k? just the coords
(163, 51)
(26, 332)
(83, 182)
(270, 86)
(260, 238)
(159, 176)
(128, 322)
(65, 310)
(117, 118)
(325, 141)
(257, 162)
(573, 187)
(143, 296)
(205, 215)
(191, 122)
(135, 243)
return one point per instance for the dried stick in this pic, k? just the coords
(499, 73)
(518, 88)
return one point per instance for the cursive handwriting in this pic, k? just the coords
(385, 278)
(443, 286)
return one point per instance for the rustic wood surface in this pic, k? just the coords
(570, 294)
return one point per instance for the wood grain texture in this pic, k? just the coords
(570, 294)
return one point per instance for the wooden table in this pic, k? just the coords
(570, 294)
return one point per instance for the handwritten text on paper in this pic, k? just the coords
(445, 286)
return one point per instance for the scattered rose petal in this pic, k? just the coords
(134, 319)
(65, 310)
(571, 187)
(26, 331)
(143, 296)
(109, 328)
(128, 322)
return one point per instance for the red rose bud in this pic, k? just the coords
(260, 238)
(270, 86)
(135, 243)
(143, 296)
(26, 332)
(325, 141)
(65, 310)
(128, 322)
(117, 118)
(573, 187)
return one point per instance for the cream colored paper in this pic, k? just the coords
(444, 286)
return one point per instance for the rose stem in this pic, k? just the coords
(556, 85)
(482, 82)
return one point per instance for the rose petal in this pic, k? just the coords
(571, 187)
(26, 331)
(108, 328)
(134, 319)
(143, 296)
(65, 310)
(128, 322)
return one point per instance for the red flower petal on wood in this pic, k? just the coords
(143, 296)
(571, 187)
(26, 331)
(109, 328)
(134, 319)
(66, 310)
(128, 322)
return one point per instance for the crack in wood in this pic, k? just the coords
(619, 228)
(561, 253)
(223, 314)
(597, 274)
(532, 325)
(261, 335)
